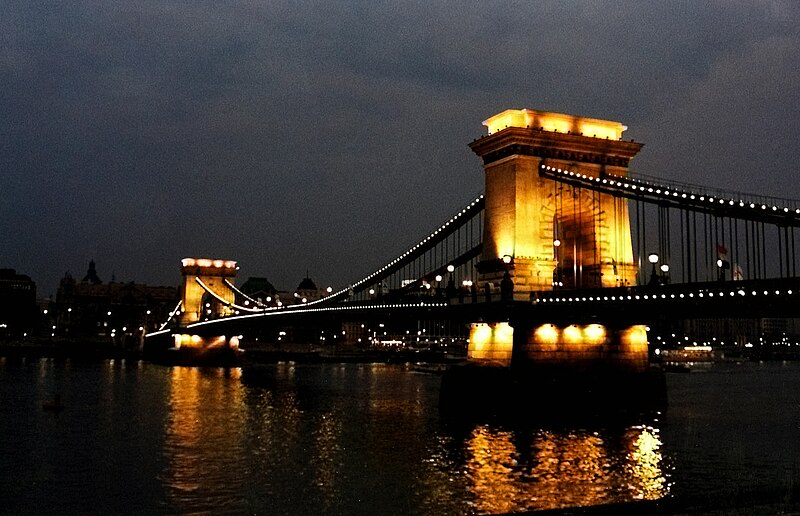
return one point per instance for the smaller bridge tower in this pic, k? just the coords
(201, 276)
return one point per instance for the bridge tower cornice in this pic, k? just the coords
(552, 145)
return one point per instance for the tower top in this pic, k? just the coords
(208, 267)
(555, 122)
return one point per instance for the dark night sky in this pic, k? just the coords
(328, 136)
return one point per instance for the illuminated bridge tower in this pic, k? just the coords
(201, 278)
(542, 232)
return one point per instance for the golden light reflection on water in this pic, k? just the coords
(645, 462)
(562, 469)
(201, 426)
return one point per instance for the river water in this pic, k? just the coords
(291, 438)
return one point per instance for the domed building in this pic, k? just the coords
(261, 290)
(307, 291)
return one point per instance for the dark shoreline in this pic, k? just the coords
(87, 350)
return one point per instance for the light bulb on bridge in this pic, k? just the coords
(664, 268)
(438, 277)
(506, 258)
(450, 268)
(556, 242)
(652, 258)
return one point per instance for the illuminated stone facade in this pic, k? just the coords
(491, 342)
(549, 232)
(583, 347)
(541, 234)
(200, 272)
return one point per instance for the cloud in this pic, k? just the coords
(325, 134)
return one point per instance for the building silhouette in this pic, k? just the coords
(120, 311)
(18, 313)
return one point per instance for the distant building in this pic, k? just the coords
(261, 290)
(18, 313)
(307, 291)
(116, 310)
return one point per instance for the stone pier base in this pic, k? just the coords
(526, 369)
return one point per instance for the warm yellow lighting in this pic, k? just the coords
(206, 262)
(698, 348)
(594, 334)
(479, 337)
(612, 132)
(554, 122)
(508, 118)
(572, 334)
(562, 469)
(504, 335)
(634, 338)
(646, 465)
(491, 342)
(546, 334)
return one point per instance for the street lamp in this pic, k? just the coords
(450, 289)
(722, 265)
(664, 273)
(653, 259)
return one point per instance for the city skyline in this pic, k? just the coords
(329, 137)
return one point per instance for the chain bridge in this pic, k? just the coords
(567, 259)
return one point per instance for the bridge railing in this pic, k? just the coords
(720, 193)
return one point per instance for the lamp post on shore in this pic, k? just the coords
(653, 259)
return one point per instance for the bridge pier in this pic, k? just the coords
(546, 347)
(523, 368)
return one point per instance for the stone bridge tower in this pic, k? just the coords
(542, 232)
(212, 274)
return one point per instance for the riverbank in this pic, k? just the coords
(102, 350)
(62, 348)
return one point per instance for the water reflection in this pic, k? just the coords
(515, 470)
(343, 439)
(202, 437)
